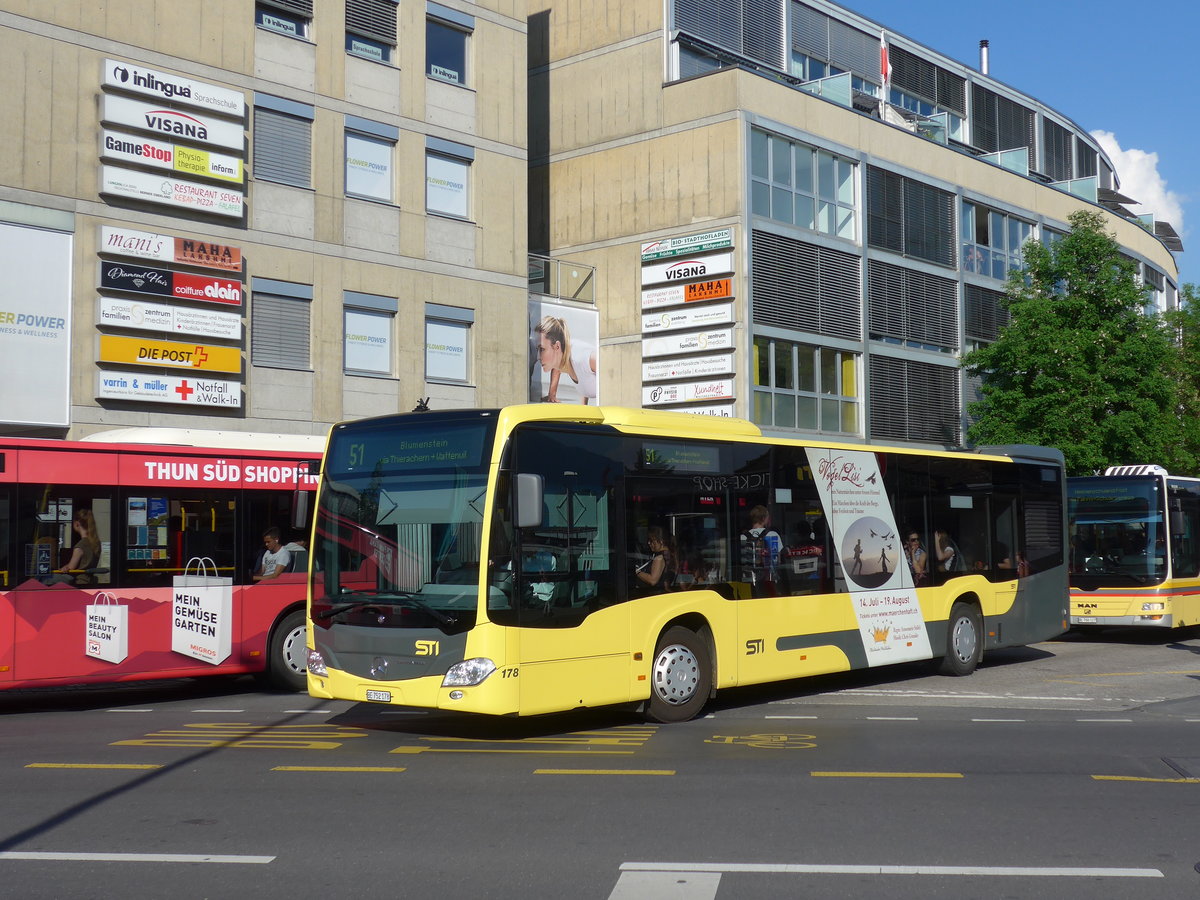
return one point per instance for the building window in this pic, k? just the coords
(803, 186)
(368, 343)
(910, 217)
(282, 141)
(991, 240)
(805, 387)
(370, 149)
(371, 29)
(447, 343)
(290, 17)
(446, 41)
(447, 178)
(280, 314)
(1155, 283)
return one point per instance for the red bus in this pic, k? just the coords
(170, 529)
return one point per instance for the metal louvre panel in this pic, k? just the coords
(928, 218)
(282, 148)
(912, 306)
(1085, 159)
(911, 73)
(951, 91)
(716, 21)
(1015, 127)
(1154, 278)
(914, 401)
(984, 314)
(885, 204)
(1056, 153)
(853, 50)
(279, 331)
(984, 133)
(302, 8)
(374, 19)
(803, 287)
(693, 63)
(762, 34)
(810, 31)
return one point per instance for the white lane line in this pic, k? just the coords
(319, 712)
(130, 710)
(790, 717)
(137, 857)
(997, 720)
(218, 710)
(892, 719)
(804, 869)
(666, 886)
(1124, 721)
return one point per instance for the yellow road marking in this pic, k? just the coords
(603, 771)
(338, 769)
(538, 752)
(886, 774)
(1137, 778)
(92, 766)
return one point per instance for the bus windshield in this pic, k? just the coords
(1116, 532)
(399, 526)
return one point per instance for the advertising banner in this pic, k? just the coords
(161, 155)
(564, 354)
(107, 629)
(136, 79)
(190, 390)
(693, 317)
(174, 123)
(191, 251)
(692, 367)
(689, 392)
(678, 294)
(35, 326)
(687, 268)
(688, 244)
(670, 344)
(149, 352)
(202, 612)
(871, 550)
(171, 191)
(136, 279)
(119, 312)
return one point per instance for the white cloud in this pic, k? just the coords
(1138, 173)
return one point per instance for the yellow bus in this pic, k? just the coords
(488, 561)
(1135, 548)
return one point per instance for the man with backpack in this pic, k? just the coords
(761, 549)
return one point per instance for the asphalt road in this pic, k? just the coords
(1071, 769)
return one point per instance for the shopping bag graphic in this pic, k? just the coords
(107, 629)
(202, 612)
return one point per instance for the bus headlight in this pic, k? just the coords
(469, 672)
(316, 663)
(1147, 607)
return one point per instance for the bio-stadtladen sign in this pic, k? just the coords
(688, 244)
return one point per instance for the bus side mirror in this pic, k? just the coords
(300, 500)
(529, 501)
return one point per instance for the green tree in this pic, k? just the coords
(1080, 365)
(1184, 323)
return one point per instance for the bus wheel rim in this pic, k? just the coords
(965, 640)
(676, 674)
(295, 653)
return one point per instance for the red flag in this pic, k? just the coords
(885, 67)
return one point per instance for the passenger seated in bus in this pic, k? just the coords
(949, 559)
(658, 572)
(84, 554)
(275, 561)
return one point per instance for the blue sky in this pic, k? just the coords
(1116, 67)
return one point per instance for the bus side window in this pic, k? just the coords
(1184, 518)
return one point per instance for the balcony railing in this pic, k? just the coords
(562, 278)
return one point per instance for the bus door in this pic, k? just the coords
(566, 589)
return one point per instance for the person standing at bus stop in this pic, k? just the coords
(275, 561)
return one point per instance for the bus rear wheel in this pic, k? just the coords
(964, 640)
(680, 676)
(287, 657)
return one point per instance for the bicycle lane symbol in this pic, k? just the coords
(766, 741)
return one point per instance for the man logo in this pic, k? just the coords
(427, 648)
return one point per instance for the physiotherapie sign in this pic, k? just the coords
(161, 155)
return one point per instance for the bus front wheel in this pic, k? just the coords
(964, 640)
(680, 676)
(287, 657)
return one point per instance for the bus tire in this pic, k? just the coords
(964, 640)
(288, 653)
(680, 676)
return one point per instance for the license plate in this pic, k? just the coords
(1084, 620)
(381, 696)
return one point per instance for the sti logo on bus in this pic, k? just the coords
(755, 646)
(426, 648)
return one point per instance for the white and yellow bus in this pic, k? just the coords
(486, 560)
(1135, 548)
